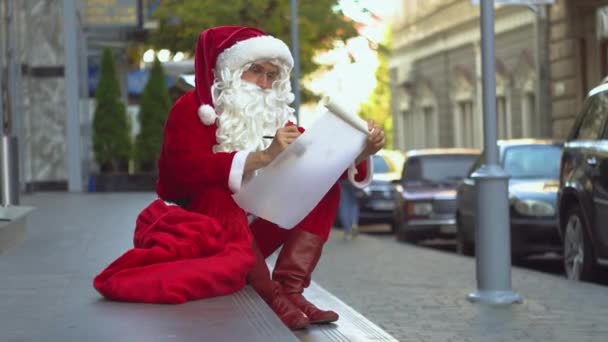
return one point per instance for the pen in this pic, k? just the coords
(268, 137)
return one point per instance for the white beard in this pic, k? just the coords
(246, 114)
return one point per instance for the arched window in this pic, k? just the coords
(425, 117)
(525, 116)
(462, 93)
(504, 119)
(405, 124)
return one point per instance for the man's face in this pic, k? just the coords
(251, 106)
(261, 73)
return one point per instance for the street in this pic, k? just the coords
(548, 263)
(418, 293)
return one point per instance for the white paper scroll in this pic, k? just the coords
(286, 190)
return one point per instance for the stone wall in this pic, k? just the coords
(43, 145)
(576, 64)
(567, 88)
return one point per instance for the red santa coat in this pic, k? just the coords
(187, 163)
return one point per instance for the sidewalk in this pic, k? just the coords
(46, 290)
(413, 293)
(419, 294)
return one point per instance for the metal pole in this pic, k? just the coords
(295, 51)
(493, 245)
(9, 161)
(74, 163)
(544, 117)
(85, 112)
(3, 29)
(22, 91)
(11, 68)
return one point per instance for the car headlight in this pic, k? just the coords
(420, 209)
(534, 208)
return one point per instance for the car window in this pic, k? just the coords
(380, 165)
(594, 118)
(476, 165)
(447, 168)
(533, 161)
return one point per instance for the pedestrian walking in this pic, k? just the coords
(348, 210)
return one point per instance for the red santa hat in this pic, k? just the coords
(230, 47)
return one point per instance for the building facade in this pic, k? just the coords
(436, 70)
(579, 56)
(436, 73)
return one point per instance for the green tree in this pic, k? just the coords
(378, 106)
(111, 138)
(154, 106)
(180, 23)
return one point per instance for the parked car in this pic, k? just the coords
(426, 205)
(583, 190)
(533, 166)
(376, 201)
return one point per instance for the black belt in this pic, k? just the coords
(182, 202)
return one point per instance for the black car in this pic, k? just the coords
(533, 166)
(427, 204)
(583, 190)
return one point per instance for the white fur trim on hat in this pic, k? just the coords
(207, 114)
(253, 49)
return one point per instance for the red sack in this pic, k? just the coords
(177, 256)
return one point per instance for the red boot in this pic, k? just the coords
(270, 291)
(295, 263)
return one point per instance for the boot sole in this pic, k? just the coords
(324, 321)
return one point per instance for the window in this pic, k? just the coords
(594, 118)
(406, 127)
(380, 165)
(438, 168)
(533, 161)
(528, 115)
(428, 120)
(501, 116)
(465, 116)
(605, 135)
(476, 165)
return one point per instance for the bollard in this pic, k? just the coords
(493, 238)
(9, 166)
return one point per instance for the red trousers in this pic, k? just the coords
(217, 202)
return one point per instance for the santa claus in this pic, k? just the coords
(214, 138)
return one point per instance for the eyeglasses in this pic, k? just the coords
(258, 71)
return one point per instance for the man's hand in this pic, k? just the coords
(375, 141)
(282, 138)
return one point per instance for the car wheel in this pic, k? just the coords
(394, 227)
(579, 263)
(395, 222)
(462, 246)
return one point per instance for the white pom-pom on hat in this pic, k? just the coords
(207, 114)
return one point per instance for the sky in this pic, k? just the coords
(352, 76)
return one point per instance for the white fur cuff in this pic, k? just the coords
(207, 114)
(253, 49)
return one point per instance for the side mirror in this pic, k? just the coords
(469, 181)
